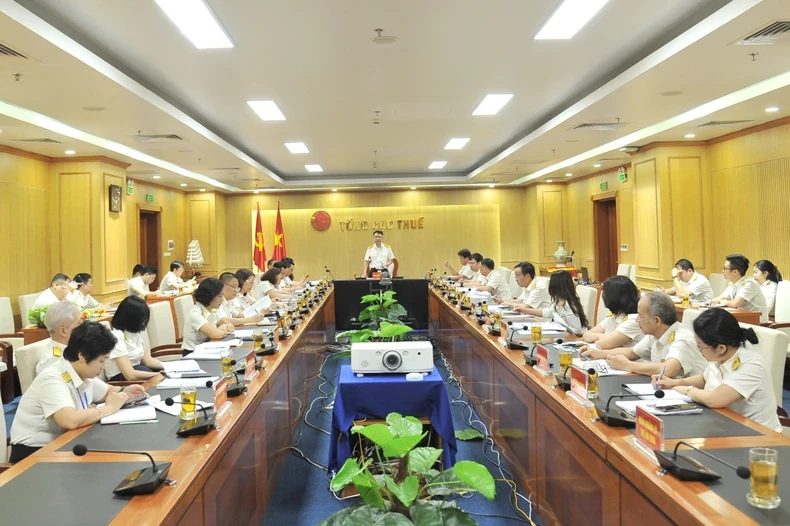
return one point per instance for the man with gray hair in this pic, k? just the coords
(668, 345)
(60, 319)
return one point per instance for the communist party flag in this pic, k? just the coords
(279, 237)
(259, 253)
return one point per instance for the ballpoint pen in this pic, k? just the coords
(139, 422)
(660, 375)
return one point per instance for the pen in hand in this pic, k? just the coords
(660, 376)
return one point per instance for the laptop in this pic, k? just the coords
(585, 275)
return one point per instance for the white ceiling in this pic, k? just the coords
(315, 60)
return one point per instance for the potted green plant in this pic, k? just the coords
(36, 316)
(407, 491)
(381, 319)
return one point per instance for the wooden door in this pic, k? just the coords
(149, 243)
(606, 242)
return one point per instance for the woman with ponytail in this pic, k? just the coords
(768, 276)
(736, 377)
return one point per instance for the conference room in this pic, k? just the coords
(408, 263)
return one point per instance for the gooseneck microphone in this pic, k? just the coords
(237, 388)
(139, 482)
(687, 468)
(511, 344)
(198, 426)
(618, 417)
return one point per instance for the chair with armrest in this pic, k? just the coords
(163, 353)
(515, 290)
(782, 318)
(622, 270)
(601, 312)
(26, 359)
(6, 373)
(182, 305)
(689, 315)
(588, 297)
(773, 348)
(8, 332)
(161, 330)
(26, 302)
(718, 284)
(506, 273)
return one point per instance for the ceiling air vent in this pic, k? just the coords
(615, 160)
(6, 51)
(768, 35)
(530, 162)
(721, 123)
(219, 170)
(45, 141)
(599, 126)
(157, 138)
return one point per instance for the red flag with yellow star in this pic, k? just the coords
(279, 237)
(259, 252)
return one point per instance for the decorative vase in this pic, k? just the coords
(561, 255)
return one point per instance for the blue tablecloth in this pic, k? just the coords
(376, 396)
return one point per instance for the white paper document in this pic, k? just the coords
(181, 366)
(654, 407)
(258, 307)
(649, 391)
(243, 334)
(209, 347)
(175, 383)
(139, 413)
(603, 368)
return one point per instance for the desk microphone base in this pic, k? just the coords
(198, 426)
(143, 481)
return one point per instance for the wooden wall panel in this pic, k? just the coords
(553, 220)
(646, 215)
(219, 225)
(75, 233)
(686, 200)
(531, 215)
(113, 256)
(200, 220)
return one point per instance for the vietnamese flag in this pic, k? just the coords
(259, 253)
(279, 237)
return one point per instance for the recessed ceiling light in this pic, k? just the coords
(202, 189)
(569, 18)
(594, 166)
(549, 180)
(568, 174)
(183, 184)
(157, 177)
(689, 136)
(413, 187)
(457, 143)
(437, 165)
(334, 189)
(314, 168)
(491, 185)
(70, 152)
(772, 109)
(267, 110)
(196, 22)
(256, 191)
(297, 147)
(492, 104)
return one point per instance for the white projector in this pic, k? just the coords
(391, 357)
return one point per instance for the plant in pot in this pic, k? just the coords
(36, 316)
(381, 319)
(406, 490)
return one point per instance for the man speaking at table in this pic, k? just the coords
(379, 256)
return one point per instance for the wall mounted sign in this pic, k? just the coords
(116, 199)
(321, 221)
(392, 224)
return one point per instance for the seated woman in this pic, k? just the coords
(64, 395)
(202, 323)
(736, 376)
(82, 295)
(268, 286)
(245, 298)
(620, 328)
(565, 308)
(129, 361)
(768, 276)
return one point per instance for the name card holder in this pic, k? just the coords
(542, 366)
(250, 371)
(221, 402)
(649, 433)
(578, 392)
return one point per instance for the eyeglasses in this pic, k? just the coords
(235, 289)
(704, 347)
(725, 269)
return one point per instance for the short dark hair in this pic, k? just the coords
(271, 275)
(175, 265)
(91, 340)
(138, 269)
(287, 261)
(738, 262)
(81, 279)
(271, 262)
(208, 289)
(773, 272)
(526, 268)
(477, 257)
(58, 278)
(132, 315)
(561, 288)
(620, 295)
(488, 263)
(227, 277)
(150, 269)
(378, 232)
(685, 264)
(719, 327)
(243, 275)
(464, 253)
(280, 265)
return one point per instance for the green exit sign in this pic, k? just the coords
(623, 177)
(604, 186)
(149, 198)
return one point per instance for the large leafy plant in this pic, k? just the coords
(381, 319)
(406, 491)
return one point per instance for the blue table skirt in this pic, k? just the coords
(375, 396)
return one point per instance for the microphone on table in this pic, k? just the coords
(618, 417)
(515, 345)
(138, 482)
(199, 426)
(687, 468)
(238, 388)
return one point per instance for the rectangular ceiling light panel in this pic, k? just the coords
(197, 22)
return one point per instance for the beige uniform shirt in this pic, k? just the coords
(699, 288)
(379, 256)
(536, 295)
(748, 289)
(625, 324)
(45, 299)
(677, 342)
(198, 316)
(496, 280)
(128, 344)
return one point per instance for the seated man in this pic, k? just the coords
(173, 281)
(465, 272)
(743, 292)
(535, 295)
(495, 282)
(687, 281)
(139, 286)
(61, 319)
(64, 395)
(477, 278)
(227, 313)
(58, 290)
(288, 282)
(667, 343)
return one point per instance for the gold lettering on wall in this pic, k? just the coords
(351, 225)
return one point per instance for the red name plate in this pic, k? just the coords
(543, 357)
(220, 393)
(249, 366)
(579, 382)
(649, 430)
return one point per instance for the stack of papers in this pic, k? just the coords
(139, 413)
(654, 407)
(175, 383)
(243, 334)
(603, 368)
(259, 307)
(647, 392)
(177, 368)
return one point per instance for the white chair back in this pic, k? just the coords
(588, 297)
(26, 302)
(632, 273)
(515, 290)
(773, 348)
(182, 305)
(718, 284)
(506, 273)
(26, 358)
(6, 317)
(602, 311)
(543, 280)
(161, 330)
(782, 308)
(146, 341)
(623, 270)
(3, 441)
(689, 315)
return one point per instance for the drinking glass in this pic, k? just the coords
(764, 482)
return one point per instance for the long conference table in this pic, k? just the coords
(580, 471)
(224, 477)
